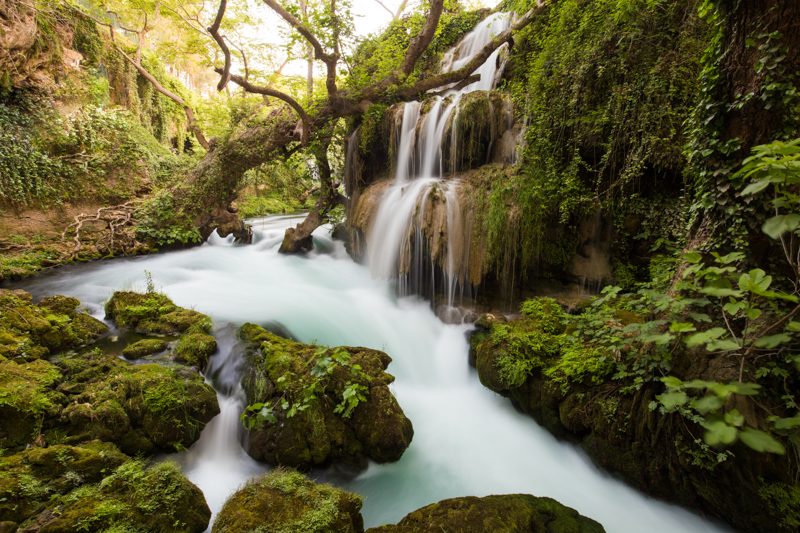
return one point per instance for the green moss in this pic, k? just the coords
(581, 364)
(285, 501)
(783, 501)
(29, 331)
(154, 313)
(509, 513)
(34, 476)
(165, 407)
(194, 349)
(144, 347)
(26, 398)
(135, 498)
(311, 405)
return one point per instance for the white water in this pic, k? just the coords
(394, 237)
(467, 440)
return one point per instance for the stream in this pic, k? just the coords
(467, 439)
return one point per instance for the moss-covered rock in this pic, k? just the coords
(285, 501)
(90, 396)
(31, 478)
(29, 331)
(144, 347)
(566, 382)
(194, 349)
(510, 513)
(311, 405)
(27, 397)
(134, 498)
(140, 407)
(153, 313)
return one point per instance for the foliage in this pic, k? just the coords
(161, 222)
(756, 319)
(714, 151)
(378, 56)
(603, 88)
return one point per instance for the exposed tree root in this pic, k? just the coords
(116, 234)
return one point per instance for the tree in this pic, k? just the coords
(294, 126)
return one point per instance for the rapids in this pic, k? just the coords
(467, 441)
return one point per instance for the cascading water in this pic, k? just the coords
(467, 440)
(395, 240)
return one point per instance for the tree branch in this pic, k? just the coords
(330, 60)
(420, 43)
(214, 31)
(267, 91)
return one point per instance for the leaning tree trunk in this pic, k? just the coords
(212, 185)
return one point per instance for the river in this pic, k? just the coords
(467, 439)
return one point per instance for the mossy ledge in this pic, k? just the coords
(52, 394)
(153, 313)
(285, 501)
(312, 405)
(570, 387)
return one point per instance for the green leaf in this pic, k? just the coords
(787, 423)
(778, 225)
(756, 186)
(733, 307)
(721, 292)
(682, 327)
(671, 382)
(723, 345)
(704, 336)
(659, 340)
(773, 341)
(734, 418)
(793, 326)
(672, 400)
(761, 442)
(692, 257)
(718, 432)
(755, 281)
(707, 404)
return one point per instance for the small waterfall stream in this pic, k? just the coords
(467, 440)
(397, 247)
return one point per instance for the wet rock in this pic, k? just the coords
(29, 331)
(144, 347)
(140, 407)
(35, 476)
(134, 497)
(194, 349)
(511, 513)
(287, 501)
(311, 405)
(27, 396)
(153, 313)
(80, 397)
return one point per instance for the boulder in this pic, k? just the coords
(311, 405)
(153, 313)
(510, 513)
(287, 501)
(135, 497)
(29, 331)
(34, 476)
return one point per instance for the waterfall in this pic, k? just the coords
(417, 236)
